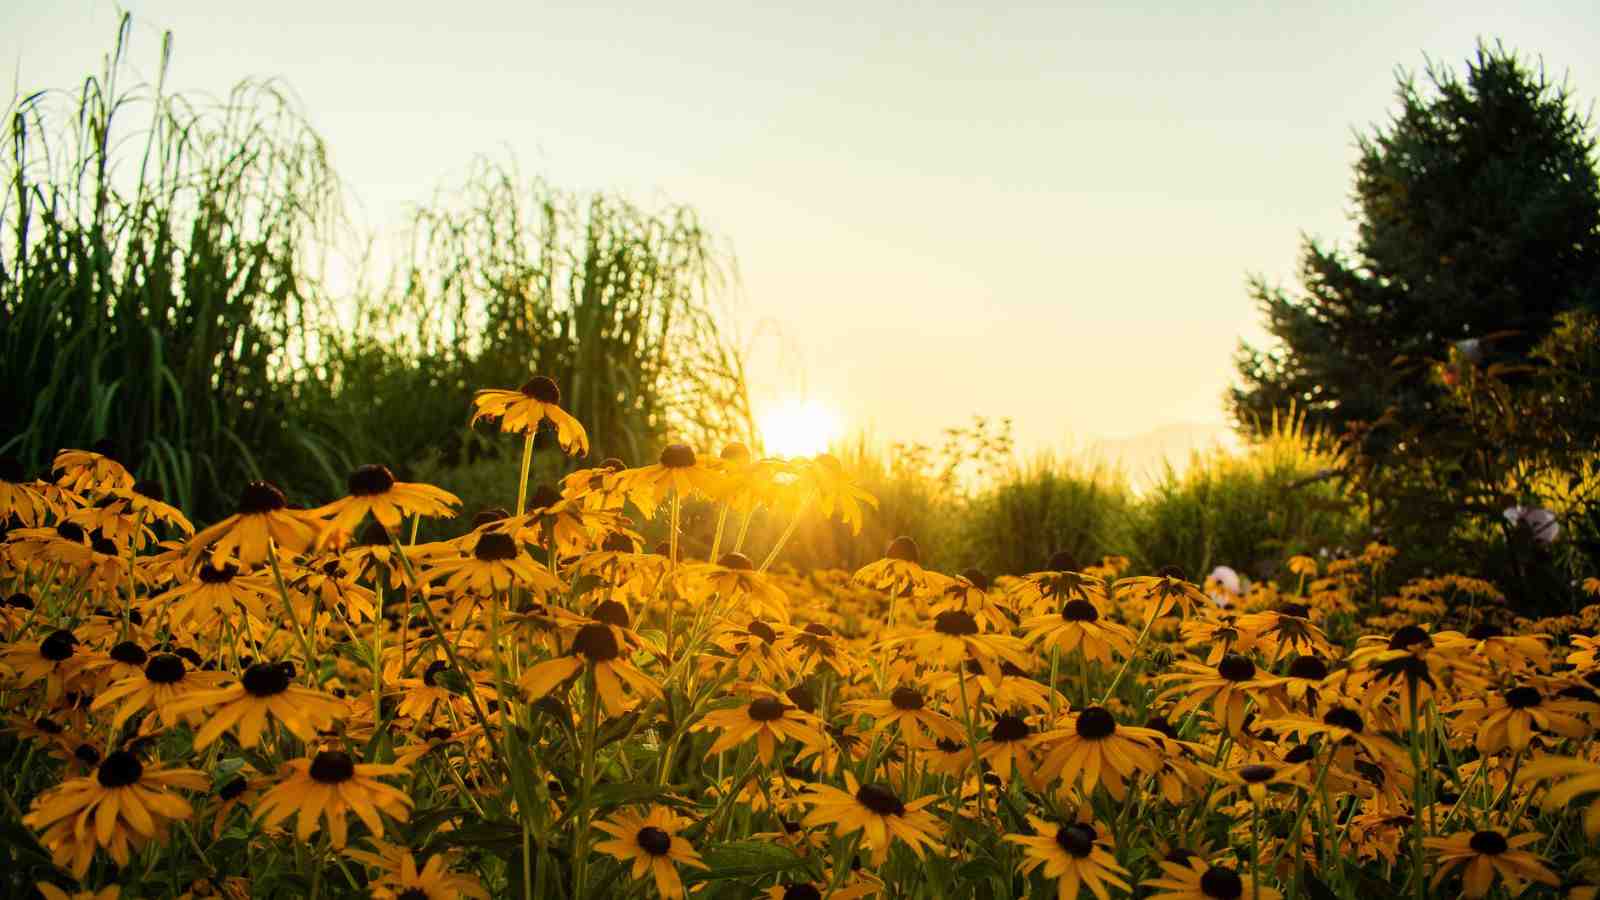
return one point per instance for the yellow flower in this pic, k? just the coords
(1075, 856)
(331, 786)
(537, 401)
(120, 807)
(1482, 856)
(652, 844)
(874, 810)
(373, 489)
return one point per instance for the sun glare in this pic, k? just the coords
(798, 428)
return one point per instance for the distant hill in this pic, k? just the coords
(1144, 456)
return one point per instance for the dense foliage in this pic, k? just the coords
(163, 295)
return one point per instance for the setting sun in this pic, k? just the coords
(798, 428)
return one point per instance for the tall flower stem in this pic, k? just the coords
(972, 740)
(716, 540)
(794, 522)
(586, 761)
(527, 460)
(288, 608)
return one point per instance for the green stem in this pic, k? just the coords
(522, 483)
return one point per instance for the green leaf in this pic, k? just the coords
(745, 859)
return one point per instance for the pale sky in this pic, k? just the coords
(1040, 212)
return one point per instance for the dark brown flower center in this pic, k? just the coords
(495, 546)
(1222, 883)
(332, 767)
(1095, 723)
(596, 643)
(654, 841)
(413, 894)
(261, 497)
(1061, 561)
(1483, 631)
(736, 561)
(978, 579)
(58, 646)
(955, 623)
(543, 389)
(908, 699)
(233, 788)
(1523, 697)
(762, 630)
(736, 453)
(1256, 774)
(70, 531)
(210, 574)
(1077, 840)
(164, 668)
(801, 892)
(800, 695)
(130, 653)
(1489, 843)
(266, 679)
(49, 726)
(1079, 611)
(610, 612)
(1344, 717)
(903, 548)
(1299, 753)
(1009, 728)
(767, 709)
(880, 799)
(1294, 610)
(1409, 636)
(119, 769)
(677, 456)
(369, 480)
(1236, 668)
(1308, 667)
(87, 754)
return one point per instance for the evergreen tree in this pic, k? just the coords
(1478, 209)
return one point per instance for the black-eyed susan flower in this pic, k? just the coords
(1059, 583)
(1499, 720)
(263, 518)
(876, 811)
(1415, 664)
(1255, 779)
(651, 843)
(22, 500)
(1094, 749)
(89, 471)
(824, 479)
(56, 659)
(1010, 747)
(953, 637)
(373, 489)
(330, 786)
(1229, 688)
(123, 805)
(163, 682)
(1483, 856)
(1344, 726)
(539, 400)
(1193, 878)
(265, 691)
(767, 719)
(1075, 856)
(493, 562)
(907, 707)
(736, 584)
(1079, 626)
(900, 572)
(1163, 593)
(215, 593)
(599, 647)
(679, 472)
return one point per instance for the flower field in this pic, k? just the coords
(295, 702)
